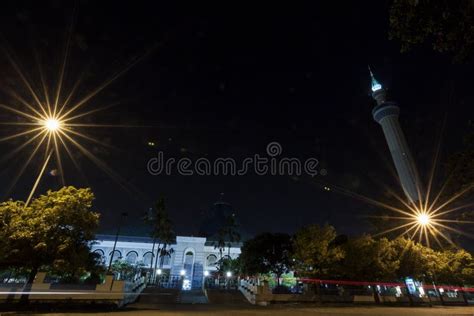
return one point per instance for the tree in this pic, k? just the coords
(460, 165)
(414, 258)
(373, 260)
(167, 237)
(460, 184)
(267, 253)
(76, 263)
(55, 231)
(445, 24)
(229, 265)
(316, 252)
(455, 267)
(219, 243)
(125, 269)
(12, 215)
(460, 169)
(162, 230)
(370, 259)
(230, 232)
(226, 235)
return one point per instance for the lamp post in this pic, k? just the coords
(122, 216)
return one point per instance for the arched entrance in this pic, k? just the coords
(188, 263)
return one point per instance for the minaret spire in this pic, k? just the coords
(375, 84)
(378, 92)
(386, 114)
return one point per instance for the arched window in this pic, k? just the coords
(147, 259)
(211, 260)
(101, 257)
(132, 257)
(188, 258)
(117, 255)
(188, 262)
(166, 260)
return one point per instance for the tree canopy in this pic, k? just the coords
(315, 251)
(318, 252)
(375, 260)
(447, 25)
(55, 230)
(266, 253)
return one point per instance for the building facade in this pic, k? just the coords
(192, 258)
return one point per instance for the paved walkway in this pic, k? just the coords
(227, 297)
(154, 296)
(209, 309)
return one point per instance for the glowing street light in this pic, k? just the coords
(423, 219)
(158, 271)
(228, 274)
(206, 273)
(52, 124)
(182, 272)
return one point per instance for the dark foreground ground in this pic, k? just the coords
(274, 310)
(161, 302)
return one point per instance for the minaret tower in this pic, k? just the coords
(386, 114)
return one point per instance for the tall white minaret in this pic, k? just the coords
(386, 114)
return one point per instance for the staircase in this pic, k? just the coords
(152, 297)
(195, 296)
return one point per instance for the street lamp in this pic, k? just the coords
(182, 272)
(52, 124)
(122, 216)
(423, 219)
(228, 274)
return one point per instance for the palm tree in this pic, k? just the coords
(220, 242)
(149, 219)
(162, 231)
(231, 233)
(226, 235)
(167, 237)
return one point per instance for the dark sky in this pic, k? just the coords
(224, 82)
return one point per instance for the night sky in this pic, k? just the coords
(224, 82)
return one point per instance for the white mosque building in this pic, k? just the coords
(192, 258)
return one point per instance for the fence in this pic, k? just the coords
(343, 291)
(168, 281)
(116, 292)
